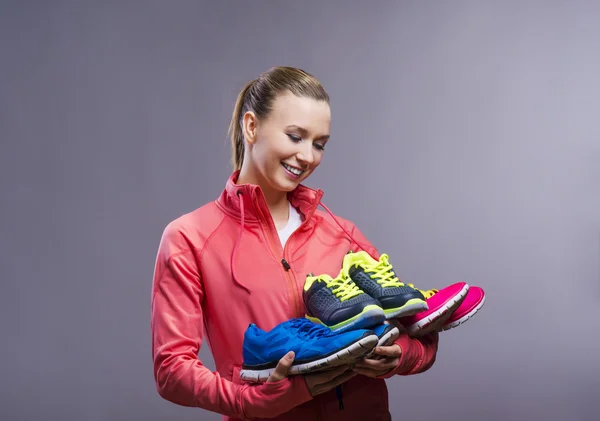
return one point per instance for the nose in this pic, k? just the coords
(306, 156)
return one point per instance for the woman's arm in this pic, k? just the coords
(176, 326)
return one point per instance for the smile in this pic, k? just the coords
(293, 170)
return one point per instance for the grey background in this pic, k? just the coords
(465, 143)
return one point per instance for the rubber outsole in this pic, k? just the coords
(371, 316)
(353, 352)
(389, 337)
(412, 307)
(385, 340)
(463, 319)
(438, 318)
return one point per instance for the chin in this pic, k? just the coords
(285, 184)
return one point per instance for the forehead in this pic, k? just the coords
(289, 109)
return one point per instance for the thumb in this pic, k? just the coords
(281, 371)
(389, 351)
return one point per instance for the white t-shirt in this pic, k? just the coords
(294, 221)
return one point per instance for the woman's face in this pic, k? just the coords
(287, 146)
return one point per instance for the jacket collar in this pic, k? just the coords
(303, 198)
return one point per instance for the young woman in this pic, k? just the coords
(243, 259)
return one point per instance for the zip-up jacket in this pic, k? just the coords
(221, 267)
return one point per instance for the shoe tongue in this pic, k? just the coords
(348, 258)
(310, 281)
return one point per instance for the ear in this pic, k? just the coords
(249, 126)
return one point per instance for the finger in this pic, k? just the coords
(377, 357)
(368, 363)
(389, 351)
(283, 366)
(322, 388)
(325, 376)
(383, 364)
(368, 372)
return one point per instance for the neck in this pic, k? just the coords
(277, 200)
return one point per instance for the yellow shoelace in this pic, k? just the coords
(383, 272)
(341, 286)
(427, 294)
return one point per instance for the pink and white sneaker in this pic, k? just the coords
(442, 304)
(471, 304)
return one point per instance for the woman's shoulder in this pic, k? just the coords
(326, 218)
(192, 228)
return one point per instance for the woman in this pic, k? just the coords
(242, 259)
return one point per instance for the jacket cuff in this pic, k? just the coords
(411, 358)
(430, 347)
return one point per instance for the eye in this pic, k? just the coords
(318, 146)
(294, 138)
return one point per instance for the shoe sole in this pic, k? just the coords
(464, 318)
(438, 318)
(412, 307)
(389, 337)
(353, 352)
(385, 340)
(370, 316)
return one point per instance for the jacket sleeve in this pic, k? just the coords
(418, 354)
(176, 329)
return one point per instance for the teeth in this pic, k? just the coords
(293, 170)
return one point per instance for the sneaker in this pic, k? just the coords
(317, 348)
(378, 279)
(472, 304)
(442, 304)
(387, 334)
(339, 303)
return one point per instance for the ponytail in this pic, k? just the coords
(235, 127)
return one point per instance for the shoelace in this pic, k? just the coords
(383, 272)
(342, 286)
(427, 294)
(240, 193)
(308, 329)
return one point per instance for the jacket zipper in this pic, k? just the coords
(300, 304)
(294, 286)
(286, 266)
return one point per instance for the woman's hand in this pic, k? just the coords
(317, 383)
(372, 367)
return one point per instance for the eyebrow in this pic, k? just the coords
(304, 132)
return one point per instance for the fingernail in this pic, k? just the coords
(290, 355)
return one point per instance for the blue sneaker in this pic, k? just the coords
(317, 348)
(387, 334)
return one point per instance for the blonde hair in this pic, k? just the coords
(258, 96)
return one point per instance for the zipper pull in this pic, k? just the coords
(338, 392)
(285, 264)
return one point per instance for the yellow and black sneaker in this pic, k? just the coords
(340, 304)
(378, 279)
